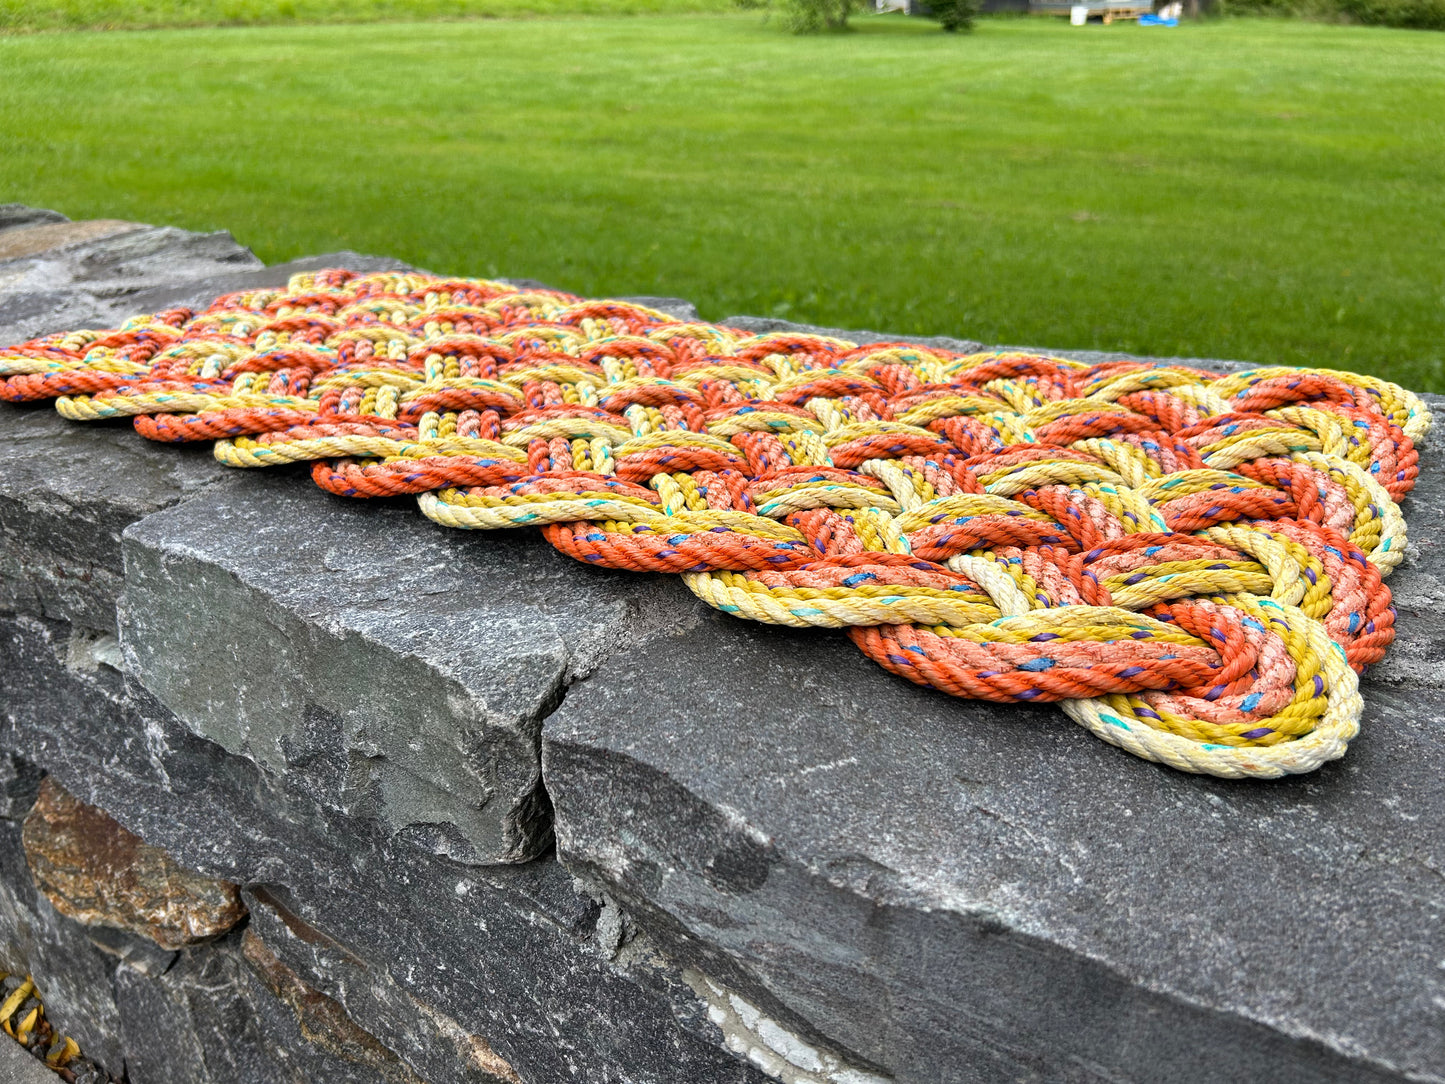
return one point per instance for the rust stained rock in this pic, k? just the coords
(32, 240)
(323, 1020)
(98, 873)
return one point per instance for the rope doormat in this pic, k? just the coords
(1191, 562)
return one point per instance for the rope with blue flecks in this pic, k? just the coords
(1191, 562)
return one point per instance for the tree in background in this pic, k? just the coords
(810, 16)
(954, 14)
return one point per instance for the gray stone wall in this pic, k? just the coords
(497, 816)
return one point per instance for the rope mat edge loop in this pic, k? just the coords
(1192, 563)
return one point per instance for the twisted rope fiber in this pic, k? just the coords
(1191, 563)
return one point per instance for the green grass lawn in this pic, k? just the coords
(1259, 189)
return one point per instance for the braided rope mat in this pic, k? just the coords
(1192, 563)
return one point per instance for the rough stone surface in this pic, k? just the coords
(200, 1016)
(19, 784)
(14, 216)
(92, 283)
(67, 491)
(95, 871)
(321, 1019)
(529, 1007)
(435, 1042)
(207, 1020)
(404, 668)
(19, 1066)
(415, 946)
(75, 976)
(213, 1020)
(30, 240)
